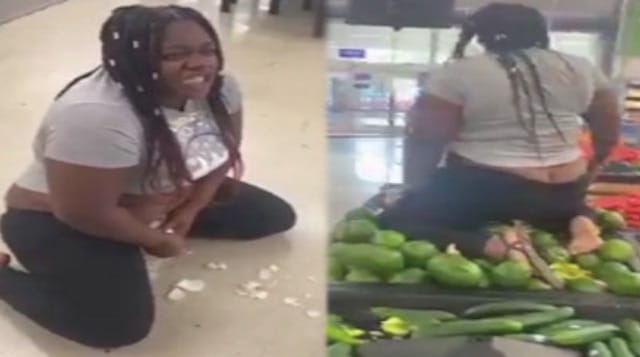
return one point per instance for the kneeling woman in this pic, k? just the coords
(132, 155)
(509, 121)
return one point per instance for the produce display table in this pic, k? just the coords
(355, 303)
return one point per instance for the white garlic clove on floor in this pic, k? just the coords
(192, 286)
(261, 295)
(314, 314)
(265, 274)
(176, 294)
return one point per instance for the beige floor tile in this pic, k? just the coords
(281, 69)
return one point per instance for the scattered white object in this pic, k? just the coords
(136, 44)
(376, 333)
(189, 252)
(176, 294)
(216, 266)
(252, 285)
(308, 296)
(242, 292)
(155, 224)
(314, 314)
(112, 62)
(274, 268)
(192, 286)
(261, 295)
(265, 274)
(311, 278)
(116, 35)
(291, 301)
(155, 76)
(169, 231)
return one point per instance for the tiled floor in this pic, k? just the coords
(275, 60)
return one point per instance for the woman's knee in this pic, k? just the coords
(117, 332)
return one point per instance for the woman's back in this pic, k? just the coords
(493, 133)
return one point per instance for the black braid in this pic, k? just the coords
(467, 34)
(540, 91)
(75, 81)
(510, 68)
(131, 52)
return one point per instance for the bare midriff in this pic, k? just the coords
(147, 208)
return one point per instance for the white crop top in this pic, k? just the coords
(93, 124)
(491, 133)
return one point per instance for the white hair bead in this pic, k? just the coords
(116, 35)
(112, 62)
(135, 44)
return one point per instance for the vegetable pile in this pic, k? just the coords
(522, 320)
(361, 253)
(628, 205)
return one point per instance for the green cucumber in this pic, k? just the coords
(631, 329)
(567, 325)
(508, 307)
(532, 337)
(583, 336)
(536, 319)
(468, 327)
(599, 349)
(620, 348)
(412, 316)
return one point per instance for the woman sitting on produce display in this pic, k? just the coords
(132, 157)
(509, 122)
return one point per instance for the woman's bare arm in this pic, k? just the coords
(603, 119)
(432, 124)
(86, 198)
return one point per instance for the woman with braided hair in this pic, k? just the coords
(509, 122)
(132, 156)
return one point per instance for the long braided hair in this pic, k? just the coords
(132, 39)
(507, 31)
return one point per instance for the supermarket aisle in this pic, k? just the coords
(274, 58)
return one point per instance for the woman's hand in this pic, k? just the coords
(169, 245)
(181, 220)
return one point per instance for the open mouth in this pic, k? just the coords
(196, 80)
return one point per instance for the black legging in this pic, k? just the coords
(460, 200)
(96, 291)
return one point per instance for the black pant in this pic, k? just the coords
(460, 200)
(96, 291)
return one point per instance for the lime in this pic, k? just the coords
(409, 276)
(556, 254)
(608, 269)
(538, 285)
(336, 270)
(389, 239)
(361, 213)
(587, 285)
(417, 253)
(587, 261)
(511, 274)
(543, 240)
(356, 231)
(616, 250)
(455, 271)
(361, 276)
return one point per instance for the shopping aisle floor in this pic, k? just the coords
(281, 69)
